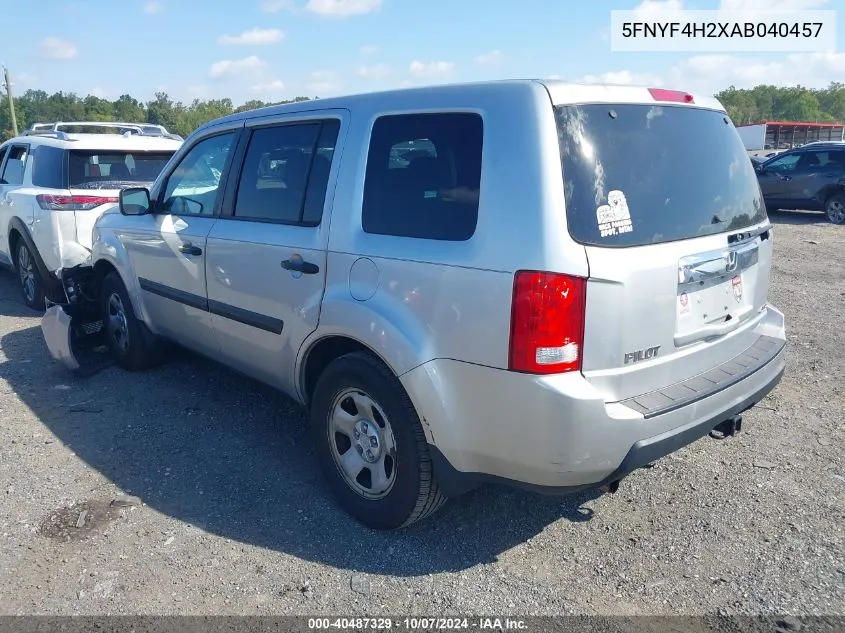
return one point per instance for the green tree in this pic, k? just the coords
(129, 110)
(97, 109)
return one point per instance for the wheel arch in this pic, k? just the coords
(103, 266)
(17, 232)
(319, 353)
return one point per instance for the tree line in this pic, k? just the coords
(770, 103)
(35, 106)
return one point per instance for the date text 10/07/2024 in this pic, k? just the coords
(417, 624)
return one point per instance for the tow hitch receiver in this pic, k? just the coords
(728, 428)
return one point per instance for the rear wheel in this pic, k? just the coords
(370, 444)
(128, 340)
(834, 208)
(32, 288)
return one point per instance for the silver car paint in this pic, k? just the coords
(552, 430)
(438, 313)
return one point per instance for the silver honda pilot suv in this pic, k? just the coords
(526, 282)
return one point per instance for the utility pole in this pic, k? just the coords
(8, 86)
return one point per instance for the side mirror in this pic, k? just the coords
(135, 201)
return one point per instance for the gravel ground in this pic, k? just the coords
(230, 514)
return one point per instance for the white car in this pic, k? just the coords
(55, 184)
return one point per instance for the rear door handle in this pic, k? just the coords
(189, 249)
(299, 266)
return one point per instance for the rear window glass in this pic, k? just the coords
(642, 174)
(98, 169)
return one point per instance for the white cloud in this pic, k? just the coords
(153, 7)
(273, 87)
(651, 9)
(771, 5)
(623, 77)
(274, 6)
(376, 71)
(430, 69)
(24, 80)
(322, 83)
(369, 49)
(98, 92)
(342, 8)
(196, 92)
(253, 37)
(709, 74)
(489, 59)
(228, 67)
(56, 48)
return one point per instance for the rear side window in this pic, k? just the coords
(423, 176)
(822, 160)
(48, 167)
(103, 169)
(646, 174)
(15, 165)
(286, 172)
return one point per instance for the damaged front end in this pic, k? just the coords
(73, 327)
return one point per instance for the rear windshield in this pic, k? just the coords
(104, 170)
(645, 174)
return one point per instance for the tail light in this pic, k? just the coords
(72, 203)
(547, 322)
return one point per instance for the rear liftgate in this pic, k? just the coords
(73, 330)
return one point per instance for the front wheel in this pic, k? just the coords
(371, 446)
(32, 288)
(127, 338)
(835, 208)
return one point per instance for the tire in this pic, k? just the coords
(834, 208)
(403, 457)
(130, 343)
(29, 277)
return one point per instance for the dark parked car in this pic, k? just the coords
(810, 177)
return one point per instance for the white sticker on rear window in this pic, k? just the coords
(683, 304)
(614, 217)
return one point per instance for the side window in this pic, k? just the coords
(3, 151)
(48, 167)
(784, 164)
(424, 176)
(15, 165)
(318, 181)
(193, 185)
(837, 160)
(285, 173)
(813, 160)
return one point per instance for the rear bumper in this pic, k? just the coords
(556, 434)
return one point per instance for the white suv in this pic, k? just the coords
(54, 184)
